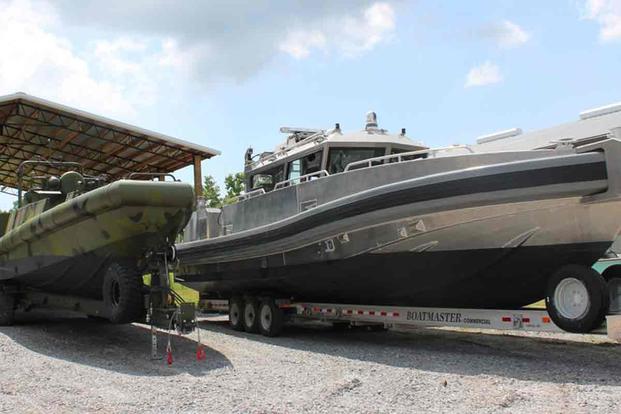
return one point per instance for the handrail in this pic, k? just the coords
(301, 179)
(253, 193)
(399, 157)
(319, 136)
(150, 174)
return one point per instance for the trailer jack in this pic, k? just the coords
(166, 309)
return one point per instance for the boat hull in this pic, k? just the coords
(482, 278)
(67, 249)
(487, 236)
(488, 257)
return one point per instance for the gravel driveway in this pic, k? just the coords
(71, 364)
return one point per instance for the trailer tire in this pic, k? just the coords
(614, 292)
(7, 309)
(251, 315)
(612, 276)
(577, 298)
(236, 313)
(271, 318)
(123, 294)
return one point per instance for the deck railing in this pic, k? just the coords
(250, 194)
(301, 179)
(318, 137)
(369, 162)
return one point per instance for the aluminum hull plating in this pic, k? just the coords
(472, 257)
(486, 237)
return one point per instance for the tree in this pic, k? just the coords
(211, 192)
(234, 184)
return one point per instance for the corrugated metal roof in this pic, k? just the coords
(35, 128)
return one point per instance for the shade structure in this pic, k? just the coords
(35, 128)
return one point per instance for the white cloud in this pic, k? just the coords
(512, 34)
(608, 14)
(114, 63)
(234, 40)
(347, 35)
(39, 62)
(137, 66)
(505, 34)
(300, 42)
(181, 60)
(484, 74)
(113, 77)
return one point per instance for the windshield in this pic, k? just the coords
(338, 158)
(306, 165)
(268, 179)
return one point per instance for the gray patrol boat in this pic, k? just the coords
(371, 217)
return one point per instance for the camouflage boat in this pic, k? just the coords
(76, 235)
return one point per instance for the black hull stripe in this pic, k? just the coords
(484, 184)
(478, 278)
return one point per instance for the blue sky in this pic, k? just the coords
(228, 74)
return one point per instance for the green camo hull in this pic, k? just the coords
(66, 248)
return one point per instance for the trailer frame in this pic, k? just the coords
(408, 317)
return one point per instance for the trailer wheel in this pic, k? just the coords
(270, 318)
(612, 275)
(251, 318)
(7, 309)
(614, 291)
(122, 294)
(236, 310)
(577, 299)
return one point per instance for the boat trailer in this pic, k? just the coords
(403, 318)
(164, 309)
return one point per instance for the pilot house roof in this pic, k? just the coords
(34, 128)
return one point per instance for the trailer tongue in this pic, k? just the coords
(162, 307)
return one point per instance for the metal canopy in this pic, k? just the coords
(34, 128)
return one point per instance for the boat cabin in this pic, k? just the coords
(312, 153)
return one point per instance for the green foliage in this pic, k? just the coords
(233, 184)
(211, 192)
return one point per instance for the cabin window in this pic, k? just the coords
(305, 165)
(407, 157)
(267, 179)
(338, 158)
(295, 169)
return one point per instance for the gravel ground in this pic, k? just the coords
(70, 364)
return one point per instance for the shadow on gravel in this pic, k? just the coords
(120, 348)
(463, 353)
